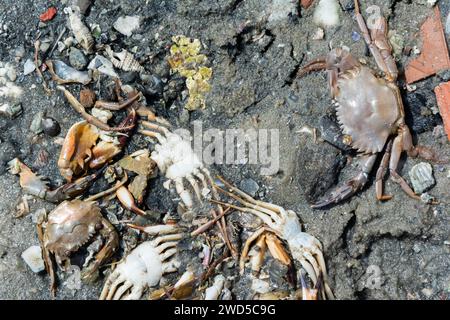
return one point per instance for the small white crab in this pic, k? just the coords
(304, 248)
(178, 162)
(145, 265)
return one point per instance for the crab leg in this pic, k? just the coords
(88, 117)
(108, 232)
(351, 186)
(48, 261)
(397, 149)
(115, 106)
(380, 173)
(222, 225)
(314, 65)
(378, 44)
(245, 196)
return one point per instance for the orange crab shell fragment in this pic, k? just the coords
(442, 92)
(76, 148)
(434, 56)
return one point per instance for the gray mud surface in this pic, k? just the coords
(398, 249)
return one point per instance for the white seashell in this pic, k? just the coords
(103, 65)
(123, 60)
(33, 258)
(213, 292)
(421, 176)
(326, 13)
(81, 32)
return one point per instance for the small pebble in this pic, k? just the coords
(87, 98)
(50, 126)
(33, 258)
(318, 35)
(249, 186)
(77, 59)
(44, 46)
(421, 176)
(126, 25)
(19, 52)
(28, 67)
(326, 13)
(427, 292)
(356, 36)
(36, 123)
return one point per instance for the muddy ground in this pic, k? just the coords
(398, 249)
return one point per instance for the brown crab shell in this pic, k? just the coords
(368, 109)
(71, 225)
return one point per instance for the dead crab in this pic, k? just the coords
(144, 267)
(370, 111)
(178, 162)
(70, 226)
(304, 248)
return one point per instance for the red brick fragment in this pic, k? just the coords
(434, 56)
(442, 92)
(306, 3)
(48, 15)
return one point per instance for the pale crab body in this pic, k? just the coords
(70, 226)
(144, 266)
(368, 109)
(178, 162)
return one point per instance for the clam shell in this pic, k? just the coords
(421, 176)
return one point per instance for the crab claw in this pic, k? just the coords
(126, 199)
(72, 189)
(344, 192)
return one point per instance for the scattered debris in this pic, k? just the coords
(421, 176)
(33, 258)
(326, 13)
(126, 25)
(48, 15)
(434, 55)
(442, 92)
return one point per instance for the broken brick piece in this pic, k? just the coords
(434, 56)
(48, 15)
(442, 92)
(306, 3)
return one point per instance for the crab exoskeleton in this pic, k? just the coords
(370, 111)
(70, 226)
(144, 267)
(304, 248)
